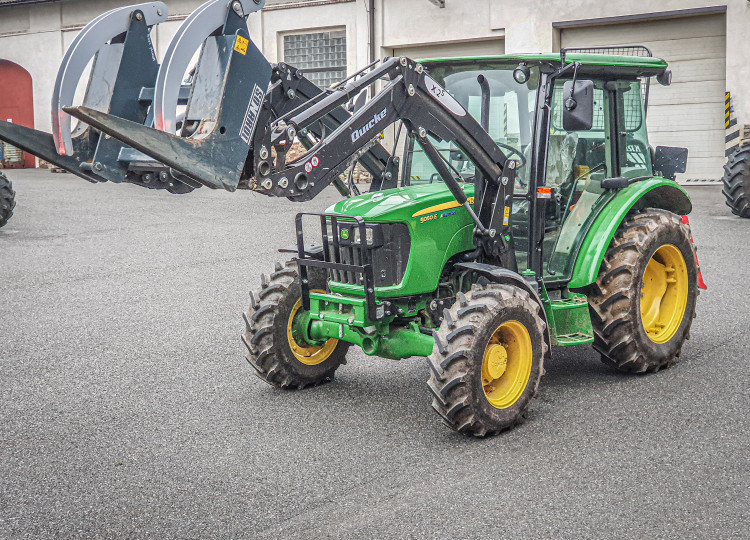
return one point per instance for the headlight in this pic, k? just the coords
(350, 235)
(369, 236)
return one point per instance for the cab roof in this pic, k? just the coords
(591, 63)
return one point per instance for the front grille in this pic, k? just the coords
(388, 259)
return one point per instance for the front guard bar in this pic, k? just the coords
(331, 261)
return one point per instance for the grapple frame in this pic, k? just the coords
(231, 95)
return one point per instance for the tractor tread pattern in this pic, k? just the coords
(264, 316)
(736, 182)
(450, 374)
(7, 199)
(614, 325)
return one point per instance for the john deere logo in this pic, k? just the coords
(345, 234)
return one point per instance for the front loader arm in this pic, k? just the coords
(410, 96)
(425, 108)
(291, 91)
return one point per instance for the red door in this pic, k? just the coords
(17, 106)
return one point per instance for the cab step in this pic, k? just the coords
(572, 322)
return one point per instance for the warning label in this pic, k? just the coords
(240, 45)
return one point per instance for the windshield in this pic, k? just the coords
(511, 116)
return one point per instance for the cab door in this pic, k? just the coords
(578, 161)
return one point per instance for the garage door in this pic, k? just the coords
(690, 112)
(453, 49)
(16, 106)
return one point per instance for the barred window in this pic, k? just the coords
(322, 55)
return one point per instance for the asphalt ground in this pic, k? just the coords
(128, 410)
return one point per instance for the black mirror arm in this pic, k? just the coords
(571, 103)
(554, 76)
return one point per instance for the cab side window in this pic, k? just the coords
(633, 149)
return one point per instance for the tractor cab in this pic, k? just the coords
(571, 163)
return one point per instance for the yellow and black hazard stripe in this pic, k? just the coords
(505, 121)
(732, 135)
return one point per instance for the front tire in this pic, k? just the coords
(278, 356)
(7, 199)
(487, 360)
(643, 301)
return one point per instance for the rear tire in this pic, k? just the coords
(487, 360)
(7, 199)
(276, 356)
(737, 182)
(641, 310)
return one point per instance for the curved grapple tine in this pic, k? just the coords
(88, 42)
(201, 23)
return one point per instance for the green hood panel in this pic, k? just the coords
(438, 226)
(398, 204)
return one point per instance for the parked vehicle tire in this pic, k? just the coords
(7, 199)
(274, 348)
(487, 360)
(737, 182)
(643, 301)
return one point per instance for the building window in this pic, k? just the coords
(322, 55)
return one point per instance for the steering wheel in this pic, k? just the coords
(512, 152)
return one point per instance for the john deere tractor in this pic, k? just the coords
(525, 209)
(546, 225)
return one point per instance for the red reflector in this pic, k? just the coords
(701, 283)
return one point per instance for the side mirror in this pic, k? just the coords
(578, 105)
(670, 160)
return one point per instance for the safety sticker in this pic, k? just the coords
(315, 161)
(240, 45)
(308, 167)
(506, 215)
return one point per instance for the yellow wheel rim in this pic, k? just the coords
(310, 355)
(664, 293)
(506, 365)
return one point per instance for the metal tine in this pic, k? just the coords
(191, 35)
(87, 43)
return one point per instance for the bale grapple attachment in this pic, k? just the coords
(161, 127)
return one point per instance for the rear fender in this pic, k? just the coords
(652, 193)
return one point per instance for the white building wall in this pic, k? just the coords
(35, 36)
(528, 27)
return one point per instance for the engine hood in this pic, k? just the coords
(401, 204)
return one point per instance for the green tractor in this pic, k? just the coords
(526, 209)
(586, 241)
